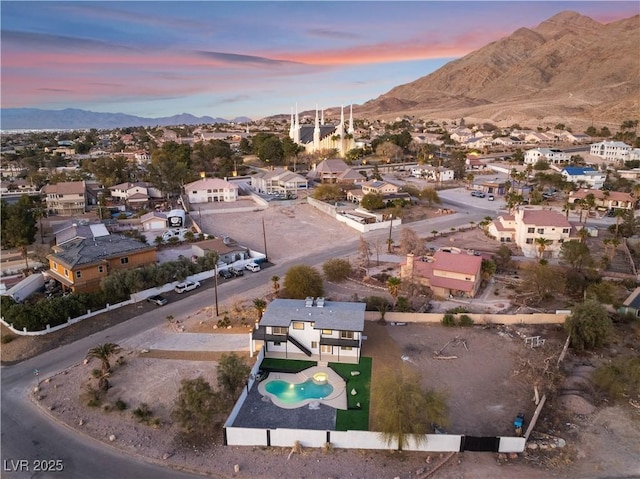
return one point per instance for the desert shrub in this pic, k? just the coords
(96, 373)
(336, 269)
(448, 320)
(620, 378)
(457, 310)
(120, 405)
(143, 413)
(92, 395)
(224, 322)
(403, 305)
(7, 338)
(588, 325)
(466, 321)
(301, 281)
(381, 277)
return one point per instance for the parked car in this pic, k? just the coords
(478, 194)
(158, 300)
(491, 198)
(253, 267)
(223, 273)
(236, 272)
(186, 286)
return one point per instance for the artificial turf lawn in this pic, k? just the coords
(355, 419)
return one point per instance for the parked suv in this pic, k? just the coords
(253, 267)
(186, 286)
(225, 274)
(236, 272)
(478, 194)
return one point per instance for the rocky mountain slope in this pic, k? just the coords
(569, 69)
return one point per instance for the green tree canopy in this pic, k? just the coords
(336, 270)
(575, 254)
(373, 201)
(170, 168)
(232, 375)
(195, 411)
(328, 192)
(301, 281)
(403, 410)
(18, 226)
(588, 325)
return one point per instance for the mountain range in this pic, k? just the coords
(71, 118)
(569, 69)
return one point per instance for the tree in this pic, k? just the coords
(589, 325)
(372, 201)
(403, 409)
(336, 270)
(410, 242)
(576, 254)
(260, 304)
(232, 375)
(542, 280)
(169, 169)
(302, 281)
(18, 226)
(393, 285)
(502, 258)
(328, 192)
(195, 410)
(364, 253)
(430, 196)
(542, 244)
(275, 283)
(487, 268)
(104, 352)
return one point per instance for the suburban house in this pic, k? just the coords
(75, 231)
(135, 195)
(79, 265)
(228, 250)
(434, 173)
(614, 151)
(388, 191)
(527, 226)
(335, 170)
(611, 200)
(449, 272)
(209, 190)
(550, 155)
(67, 198)
(312, 329)
(585, 176)
(153, 220)
(279, 181)
(631, 305)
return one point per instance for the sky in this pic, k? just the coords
(245, 58)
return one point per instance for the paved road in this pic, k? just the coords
(29, 435)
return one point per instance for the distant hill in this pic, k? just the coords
(569, 69)
(70, 118)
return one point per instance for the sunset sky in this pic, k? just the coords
(243, 58)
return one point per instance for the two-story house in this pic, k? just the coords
(67, 198)
(611, 200)
(135, 195)
(209, 190)
(279, 181)
(584, 176)
(613, 151)
(449, 272)
(526, 228)
(335, 170)
(550, 155)
(80, 264)
(312, 329)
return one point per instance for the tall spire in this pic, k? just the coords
(341, 126)
(296, 127)
(322, 119)
(316, 133)
(351, 130)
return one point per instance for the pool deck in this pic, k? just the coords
(337, 399)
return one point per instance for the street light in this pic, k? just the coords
(215, 286)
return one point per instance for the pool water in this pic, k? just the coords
(293, 393)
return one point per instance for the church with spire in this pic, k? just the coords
(318, 137)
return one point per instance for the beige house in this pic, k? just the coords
(527, 226)
(279, 181)
(335, 170)
(606, 199)
(67, 198)
(449, 272)
(209, 190)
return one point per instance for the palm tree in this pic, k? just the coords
(275, 282)
(619, 215)
(393, 284)
(583, 233)
(260, 305)
(542, 245)
(568, 207)
(103, 352)
(434, 233)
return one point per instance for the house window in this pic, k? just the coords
(66, 272)
(208, 191)
(346, 334)
(541, 231)
(314, 344)
(55, 265)
(529, 241)
(78, 274)
(298, 325)
(100, 269)
(279, 330)
(325, 348)
(561, 240)
(346, 348)
(124, 260)
(327, 331)
(531, 230)
(565, 230)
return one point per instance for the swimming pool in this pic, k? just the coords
(291, 393)
(314, 385)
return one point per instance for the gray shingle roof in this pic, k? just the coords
(334, 315)
(86, 251)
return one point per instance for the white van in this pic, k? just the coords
(253, 267)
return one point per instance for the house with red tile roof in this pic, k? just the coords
(529, 224)
(606, 199)
(449, 272)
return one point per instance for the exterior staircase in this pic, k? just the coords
(299, 345)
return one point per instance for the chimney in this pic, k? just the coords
(320, 302)
(409, 266)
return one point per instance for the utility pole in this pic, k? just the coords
(264, 237)
(215, 287)
(389, 241)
